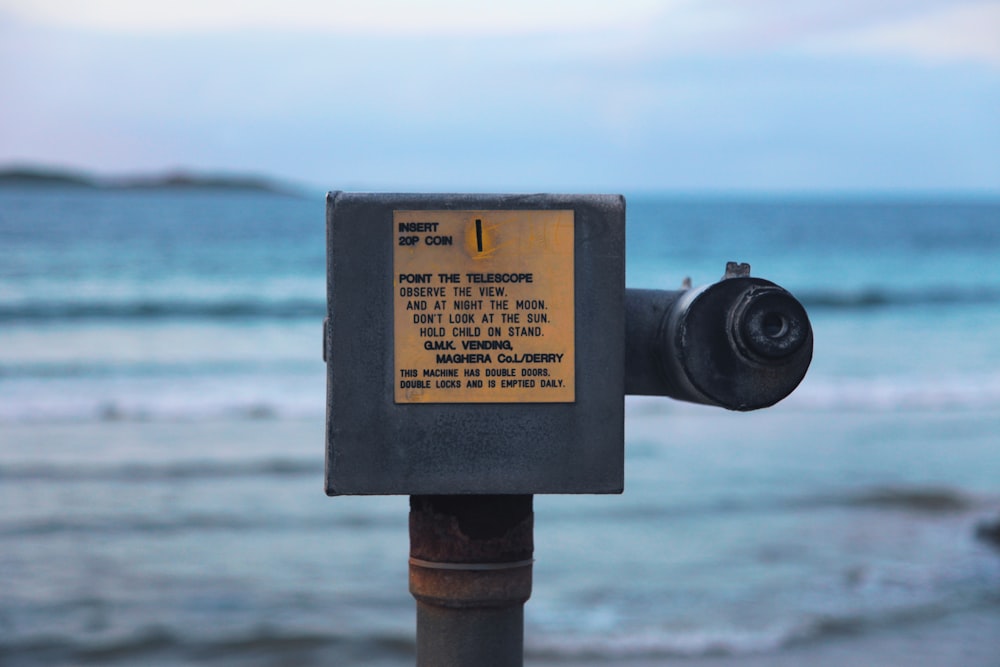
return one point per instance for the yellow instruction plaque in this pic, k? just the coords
(483, 307)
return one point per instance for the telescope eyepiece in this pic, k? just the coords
(769, 324)
(742, 343)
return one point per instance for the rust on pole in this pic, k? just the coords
(470, 572)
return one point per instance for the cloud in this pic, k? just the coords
(725, 28)
(622, 31)
(958, 33)
(694, 93)
(385, 17)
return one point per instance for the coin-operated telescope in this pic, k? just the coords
(479, 349)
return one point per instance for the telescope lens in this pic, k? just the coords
(772, 324)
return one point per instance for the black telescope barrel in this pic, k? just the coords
(742, 343)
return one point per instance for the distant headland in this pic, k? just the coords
(48, 177)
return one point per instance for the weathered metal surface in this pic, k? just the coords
(736, 270)
(376, 445)
(742, 343)
(470, 572)
(470, 637)
(471, 529)
(468, 589)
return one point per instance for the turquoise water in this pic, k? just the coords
(161, 449)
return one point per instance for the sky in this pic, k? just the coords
(524, 95)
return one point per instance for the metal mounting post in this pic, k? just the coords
(470, 572)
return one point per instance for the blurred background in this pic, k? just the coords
(162, 290)
(718, 95)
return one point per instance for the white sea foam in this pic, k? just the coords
(874, 394)
(650, 643)
(248, 395)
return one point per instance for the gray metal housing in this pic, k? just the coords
(375, 446)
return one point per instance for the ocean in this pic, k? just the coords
(162, 398)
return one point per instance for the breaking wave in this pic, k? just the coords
(860, 299)
(649, 644)
(158, 645)
(142, 472)
(878, 298)
(161, 309)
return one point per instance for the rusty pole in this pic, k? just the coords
(470, 572)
